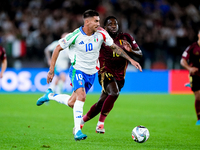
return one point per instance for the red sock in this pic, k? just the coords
(197, 108)
(94, 110)
(107, 106)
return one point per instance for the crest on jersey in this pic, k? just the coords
(80, 82)
(95, 38)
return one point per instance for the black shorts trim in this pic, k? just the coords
(106, 78)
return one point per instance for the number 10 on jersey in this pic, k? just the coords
(89, 47)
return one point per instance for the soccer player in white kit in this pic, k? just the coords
(84, 46)
(62, 64)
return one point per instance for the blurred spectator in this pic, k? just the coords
(162, 28)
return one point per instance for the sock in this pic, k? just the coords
(107, 106)
(60, 98)
(94, 110)
(52, 86)
(197, 108)
(99, 122)
(78, 112)
(82, 121)
(59, 87)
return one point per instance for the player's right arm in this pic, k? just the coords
(53, 62)
(192, 70)
(184, 61)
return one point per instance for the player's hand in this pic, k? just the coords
(193, 70)
(136, 64)
(50, 76)
(127, 46)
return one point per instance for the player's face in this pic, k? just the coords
(112, 26)
(94, 23)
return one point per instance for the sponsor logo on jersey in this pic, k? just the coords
(81, 43)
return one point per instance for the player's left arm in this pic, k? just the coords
(122, 53)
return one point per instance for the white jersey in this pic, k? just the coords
(62, 62)
(84, 49)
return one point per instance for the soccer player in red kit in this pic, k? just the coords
(112, 72)
(191, 61)
(3, 60)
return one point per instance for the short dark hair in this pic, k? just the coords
(90, 13)
(109, 17)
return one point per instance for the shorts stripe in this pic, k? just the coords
(73, 76)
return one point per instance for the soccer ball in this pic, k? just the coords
(140, 134)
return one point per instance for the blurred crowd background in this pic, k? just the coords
(162, 28)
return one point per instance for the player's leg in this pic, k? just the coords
(60, 98)
(61, 81)
(81, 83)
(78, 112)
(197, 106)
(52, 85)
(95, 109)
(113, 93)
(195, 84)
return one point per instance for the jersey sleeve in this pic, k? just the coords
(186, 53)
(131, 40)
(106, 37)
(68, 39)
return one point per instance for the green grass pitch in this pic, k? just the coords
(170, 119)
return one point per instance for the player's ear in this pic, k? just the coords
(86, 21)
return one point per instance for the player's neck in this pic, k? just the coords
(113, 35)
(87, 31)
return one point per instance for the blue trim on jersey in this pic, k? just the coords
(81, 29)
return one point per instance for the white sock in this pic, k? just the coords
(52, 85)
(60, 98)
(78, 112)
(59, 87)
(82, 122)
(99, 122)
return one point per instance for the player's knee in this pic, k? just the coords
(81, 97)
(197, 95)
(114, 94)
(71, 104)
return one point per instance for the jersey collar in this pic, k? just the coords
(81, 29)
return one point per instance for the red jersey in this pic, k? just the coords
(113, 63)
(2, 53)
(192, 55)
